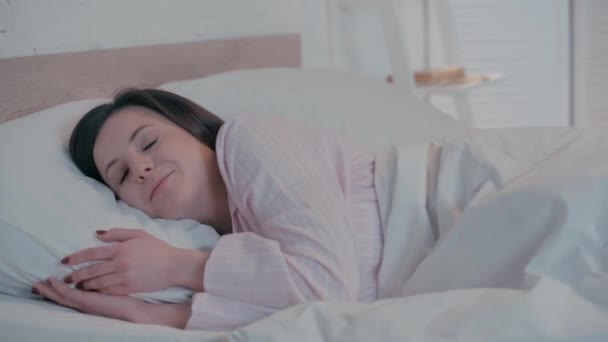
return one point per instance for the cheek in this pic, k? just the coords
(196, 165)
(197, 177)
(206, 171)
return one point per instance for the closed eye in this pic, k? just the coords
(124, 176)
(150, 145)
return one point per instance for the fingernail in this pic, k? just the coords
(80, 286)
(68, 279)
(100, 232)
(35, 291)
(65, 260)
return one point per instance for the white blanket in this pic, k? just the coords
(518, 252)
(518, 209)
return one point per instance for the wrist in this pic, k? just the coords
(171, 315)
(189, 268)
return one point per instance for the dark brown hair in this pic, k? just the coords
(196, 120)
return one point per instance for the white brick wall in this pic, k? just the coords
(30, 27)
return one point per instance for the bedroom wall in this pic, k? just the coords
(529, 42)
(33, 27)
(355, 43)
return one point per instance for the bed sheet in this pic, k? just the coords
(548, 312)
(23, 319)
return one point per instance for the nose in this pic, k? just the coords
(143, 169)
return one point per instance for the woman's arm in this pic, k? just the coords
(118, 307)
(188, 268)
(139, 262)
(172, 315)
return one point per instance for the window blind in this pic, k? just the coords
(529, 42)
(591, 62)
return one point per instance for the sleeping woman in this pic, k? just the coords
(296, 210)
(306, 216)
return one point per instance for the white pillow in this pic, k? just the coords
(48, 209)
(368, 111)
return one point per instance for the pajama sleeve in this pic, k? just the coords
(290, 186)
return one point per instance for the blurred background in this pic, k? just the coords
(550, 57)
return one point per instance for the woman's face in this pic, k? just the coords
(154, 165)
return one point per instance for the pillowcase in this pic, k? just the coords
(48, 209)
(370, 112)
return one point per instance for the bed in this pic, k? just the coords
(240, 77)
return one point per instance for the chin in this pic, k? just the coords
(172, 215)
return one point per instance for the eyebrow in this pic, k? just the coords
(131, 138)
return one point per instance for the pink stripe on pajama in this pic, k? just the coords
(305, 221)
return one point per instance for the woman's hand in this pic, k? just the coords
(119, 307)
(138, 262)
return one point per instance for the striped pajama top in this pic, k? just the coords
(305, 223)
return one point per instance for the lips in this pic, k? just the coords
(157, 186)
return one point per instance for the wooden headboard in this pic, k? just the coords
(30, 84)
